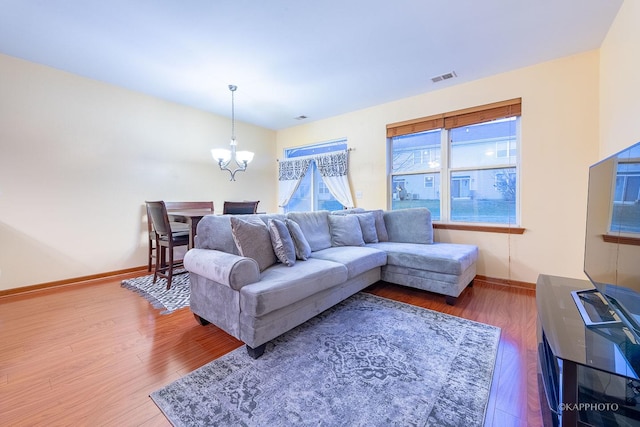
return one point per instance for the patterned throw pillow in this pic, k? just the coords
(253, 241)
(282, 242)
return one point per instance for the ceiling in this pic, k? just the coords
(294, 57)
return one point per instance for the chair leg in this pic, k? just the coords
(155, 271)
(150, 261)
(170, 267)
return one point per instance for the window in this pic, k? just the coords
(462, 165)
(626, 198)
(312, 193)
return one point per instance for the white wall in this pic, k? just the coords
(559, 142)
(78, 158)
(619, 82)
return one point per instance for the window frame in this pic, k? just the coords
(445, 122)
(310, 150)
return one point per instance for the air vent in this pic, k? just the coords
(445, 76)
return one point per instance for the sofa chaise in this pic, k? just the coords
(258, 276)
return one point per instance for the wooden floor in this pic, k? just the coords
(91, 353)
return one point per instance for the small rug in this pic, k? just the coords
(157, 294)
(368, 361)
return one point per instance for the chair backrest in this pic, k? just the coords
(178, 206)
(157, 213)
(239, 208)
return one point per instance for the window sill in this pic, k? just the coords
(483, 228)
(624, 240)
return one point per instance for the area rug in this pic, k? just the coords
(368, 361)
(157, 294)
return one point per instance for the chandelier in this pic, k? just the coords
(223, 156)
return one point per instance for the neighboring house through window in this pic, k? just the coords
(462, 165)
(626, 196)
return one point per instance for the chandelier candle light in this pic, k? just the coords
(223, 156)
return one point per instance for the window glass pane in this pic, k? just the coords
(487, 195)
(323, 200)
(419, 190)
(626, 206)
(416, 152)
(301, 199)
(486, 144)
(310, 150)
(313, 194)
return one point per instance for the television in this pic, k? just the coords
(612, 245)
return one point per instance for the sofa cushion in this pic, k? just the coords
(368, 227)
(345, 230)
(253, 240)
(303, 250)
(214, 232)
(282, 242)
(448, 258)
(280, 286)
(315, 227)
(357, 259)
(411, 225)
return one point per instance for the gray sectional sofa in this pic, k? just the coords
(258, 276)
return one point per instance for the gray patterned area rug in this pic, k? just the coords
(368, 361)
(157, 294)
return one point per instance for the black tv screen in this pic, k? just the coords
(612, 241)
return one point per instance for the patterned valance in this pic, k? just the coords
(332, 164)
(289, 170)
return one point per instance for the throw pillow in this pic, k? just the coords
(282, 242)
(303, 250)
(368, 226)
(381, 228)
(345, 230)
(315, 227)
(253, 241)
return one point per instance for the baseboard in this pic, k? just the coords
(506, 282)
(143, 270)
(74, 281)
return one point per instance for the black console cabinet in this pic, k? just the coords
(588, 376)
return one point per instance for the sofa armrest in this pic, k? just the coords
(221, 267)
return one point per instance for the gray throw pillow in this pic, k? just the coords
(253, 241)
(282, 242)
(345, 230)
(315, 227)
(368, 227)
(381, 227)
(303, 250)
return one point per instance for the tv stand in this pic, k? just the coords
(587, 374)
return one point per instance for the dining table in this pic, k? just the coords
(192, 217)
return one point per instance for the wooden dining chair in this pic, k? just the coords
(165, 241)
(176, 224)
(240, 208)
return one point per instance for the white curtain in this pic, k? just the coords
(333, 168)
(290, 173)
